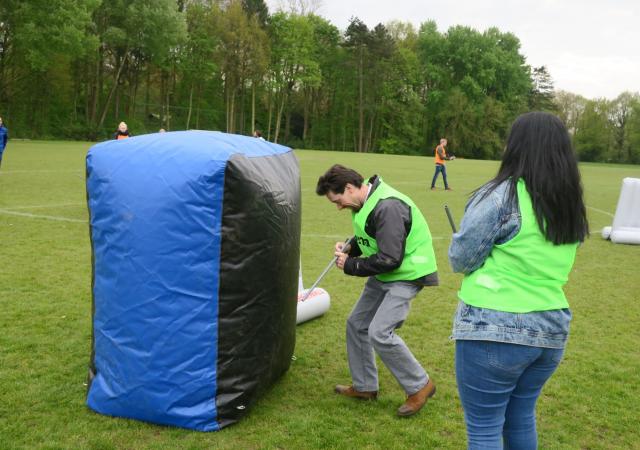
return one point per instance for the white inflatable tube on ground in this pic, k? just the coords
(316, 304)
(626, 222)
(625, 235)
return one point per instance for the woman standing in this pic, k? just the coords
(516, 246)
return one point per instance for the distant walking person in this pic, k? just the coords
(4, 138)
(441, 157)
(516, 246)
(122, 132)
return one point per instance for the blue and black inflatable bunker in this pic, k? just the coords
(196, 243)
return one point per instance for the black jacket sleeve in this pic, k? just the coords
(389, 223)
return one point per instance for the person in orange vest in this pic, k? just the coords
(440, 158)
(122, 132)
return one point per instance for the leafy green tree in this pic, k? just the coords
(198, 63)
(569, 108)
(474, 84)
(292, 61)
(620, 114)
(132, 31)
(593, 132)
(257, 8)
(316, 90)
(39, 40)
(243, 54)
(356, 41)
(542, 92)
(633, 132)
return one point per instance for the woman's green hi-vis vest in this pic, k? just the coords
(525, 274)
(419, 259)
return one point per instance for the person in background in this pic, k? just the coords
(440, 158)
(4, 138)
(162, 130)
(516, 246)
(393, 248)
(122, 132)
(258, 134)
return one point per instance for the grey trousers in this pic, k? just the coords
(381, 309)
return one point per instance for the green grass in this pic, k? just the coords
(45, 276)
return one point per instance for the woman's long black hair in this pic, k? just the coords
(539, 151)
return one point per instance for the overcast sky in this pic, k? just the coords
(590, 47)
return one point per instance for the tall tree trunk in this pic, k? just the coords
(305, 116)
(168, 105)
(279, 117)
(134, 94)
(97, 87)
(163, 87)
(344, 127)
(360, 100)
(270, 102)
(241, 111)
(367, 145)
(190, 105)
(287, 125)
(146, 94)
(253, 106)
(227, 102)
(116, 107)
(198, 106)
(113, 89)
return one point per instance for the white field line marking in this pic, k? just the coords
(340, 238)
(601, 211)
(40, 216)
(8, 172)
(67, 219)
(59, 205)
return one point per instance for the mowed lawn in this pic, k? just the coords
(592, 401)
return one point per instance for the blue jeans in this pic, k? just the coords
(443, 169)
(499, 385)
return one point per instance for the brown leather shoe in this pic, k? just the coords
(416, 401)
(349, 391)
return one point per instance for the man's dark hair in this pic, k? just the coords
(336, 179)
(539, 151)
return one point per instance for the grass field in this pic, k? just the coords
(592, 402)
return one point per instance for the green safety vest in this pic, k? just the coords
(526, 273)
(419, 259)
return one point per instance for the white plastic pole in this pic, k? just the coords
(327, 269)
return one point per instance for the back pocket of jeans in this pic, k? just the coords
(513, 358)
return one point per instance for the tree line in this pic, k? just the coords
(73, 69)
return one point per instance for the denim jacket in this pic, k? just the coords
(487, 222)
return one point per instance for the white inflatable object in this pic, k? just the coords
(626, 222)
(300, 285)
(314, 306)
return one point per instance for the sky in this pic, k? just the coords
(589, 47)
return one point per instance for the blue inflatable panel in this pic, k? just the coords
(192, 321)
